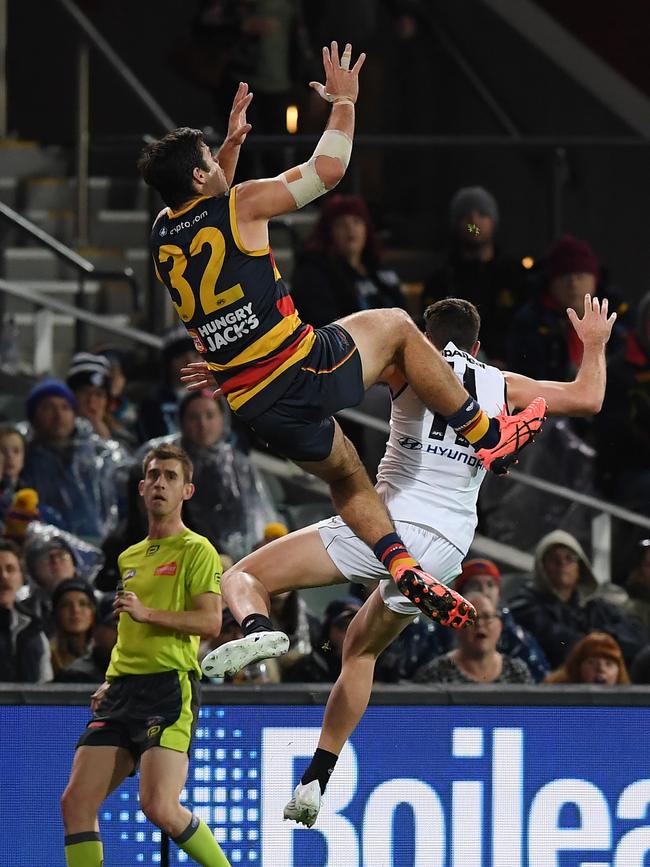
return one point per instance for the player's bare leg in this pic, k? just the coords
(372, 629)
(358, 503)
(96, 772)
(163, 773)
(390, 337)
(278, 567)
(294, 562)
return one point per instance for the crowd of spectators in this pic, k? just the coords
(70, 467)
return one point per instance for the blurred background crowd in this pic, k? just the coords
(397, 233)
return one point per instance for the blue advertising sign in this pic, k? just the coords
(416, 787)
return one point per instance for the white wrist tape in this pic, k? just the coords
(303, 182)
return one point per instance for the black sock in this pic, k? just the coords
(320, 768)
(256, 623)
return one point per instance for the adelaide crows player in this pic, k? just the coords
(211, 250)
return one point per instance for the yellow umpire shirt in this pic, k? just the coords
(164, 574)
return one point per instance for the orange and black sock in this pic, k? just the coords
(392, 554)
(480, 431)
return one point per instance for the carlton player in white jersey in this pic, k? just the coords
(429, 479)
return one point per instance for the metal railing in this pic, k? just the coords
(84, 268)
(43, 323)
(89, 37)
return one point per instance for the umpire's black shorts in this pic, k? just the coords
(299, 424)
(140, 711)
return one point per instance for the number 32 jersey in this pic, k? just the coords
(429, 475)
(232, 301)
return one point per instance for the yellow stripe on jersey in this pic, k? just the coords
(268, 342)
(173, 214)
(232, 200)
(237, 399)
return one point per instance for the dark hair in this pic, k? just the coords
(189, 399)
(7, 546)
(455, 320)
(168, 452)
(9, 430)
(167, 164)
(320, 239)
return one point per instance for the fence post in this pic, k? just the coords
(601, 547)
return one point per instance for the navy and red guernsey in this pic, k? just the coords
(233, 302)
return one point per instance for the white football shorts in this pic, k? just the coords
(357, 562)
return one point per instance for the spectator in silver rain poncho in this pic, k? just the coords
(231, 505)
(71, 468)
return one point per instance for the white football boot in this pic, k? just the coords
(305, 804)
(235, 655)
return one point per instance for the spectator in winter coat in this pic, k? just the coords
(24, 650)
(558, 606)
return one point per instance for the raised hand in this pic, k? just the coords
(595, 326)
(238, 128)
(196, 376)
(341, 82)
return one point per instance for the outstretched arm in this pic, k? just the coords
(238, 129)
(263, 199)
(583, 396)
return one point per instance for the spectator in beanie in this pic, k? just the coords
(476, 270)
(158, 414)
(49, 562)
(89, 378)
(559, 606)
(542, 343)
(340, 270)
(24, 649)
(595, 659)
(483, 576)
(71, 468)
(622, 428)
(74, 607)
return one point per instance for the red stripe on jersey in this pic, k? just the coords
(256, 373)
(285, 305)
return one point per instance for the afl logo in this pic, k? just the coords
(411, 444)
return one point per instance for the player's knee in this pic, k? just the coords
(233, 581)
(399, 321)
(159, 812)
(75, 804)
